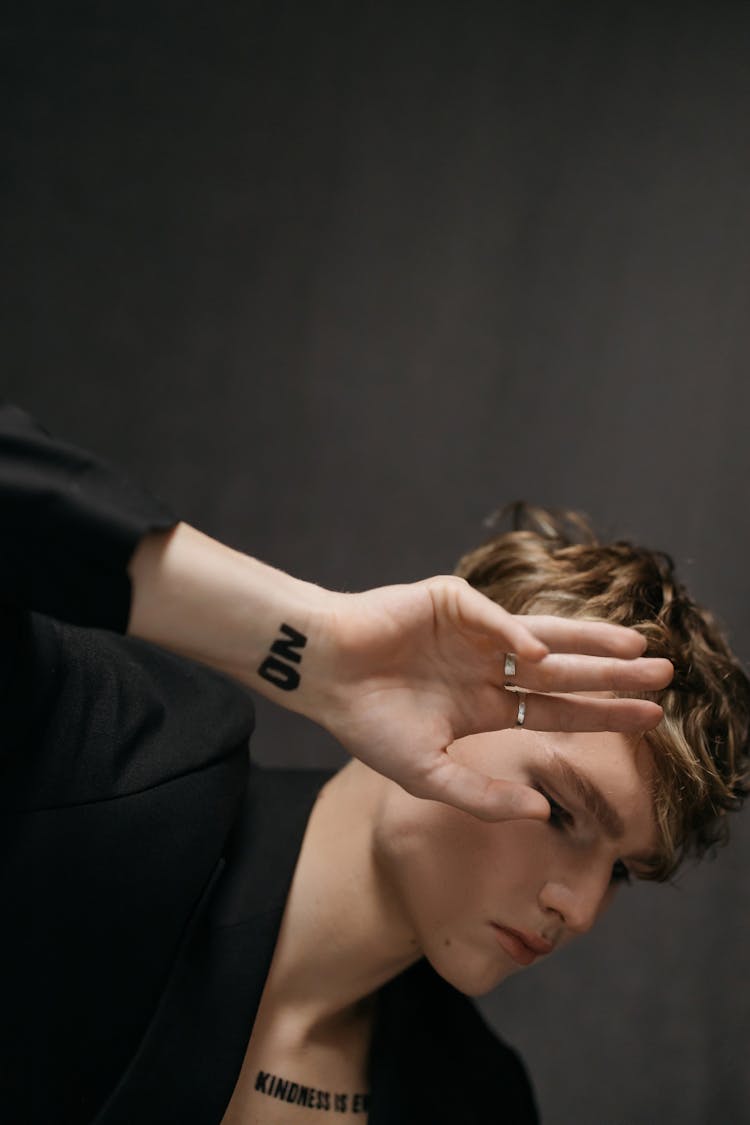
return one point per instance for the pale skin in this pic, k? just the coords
(419, 878)
(399, 673)
(447, 828)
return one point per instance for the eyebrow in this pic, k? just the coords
(591, 796)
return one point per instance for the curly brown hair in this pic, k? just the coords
(552, 562)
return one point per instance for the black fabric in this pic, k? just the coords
(70, 525)
(187, 1064)
(122, 769)
(144, 868)
(434, 1059)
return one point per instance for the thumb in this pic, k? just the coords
(488, 798)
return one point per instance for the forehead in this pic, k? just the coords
(612, 758)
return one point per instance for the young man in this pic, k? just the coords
(145, 874)
(397, 906)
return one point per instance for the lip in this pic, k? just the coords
(523, 947)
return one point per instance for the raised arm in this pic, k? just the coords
(395, 674)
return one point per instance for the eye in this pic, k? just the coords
(559, 817)
(620, 873)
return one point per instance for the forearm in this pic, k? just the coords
(206, 601)
(396, 674)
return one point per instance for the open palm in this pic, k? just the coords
(412, 668)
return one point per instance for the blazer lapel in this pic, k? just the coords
(187, 1064)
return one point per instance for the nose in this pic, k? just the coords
(577, 899)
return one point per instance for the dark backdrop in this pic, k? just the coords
(338, 280)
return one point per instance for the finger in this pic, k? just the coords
(477, 612)
(485, 797)
(595, 638)
(580, 712)
(559, 673)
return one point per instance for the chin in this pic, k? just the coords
(472, 971)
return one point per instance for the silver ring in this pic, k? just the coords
(510, 664)
(521, 716)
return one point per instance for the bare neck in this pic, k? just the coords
(344, 933)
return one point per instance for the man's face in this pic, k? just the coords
(485, 900)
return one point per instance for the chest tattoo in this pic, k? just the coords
(310, 1097)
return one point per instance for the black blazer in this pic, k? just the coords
(144, 864)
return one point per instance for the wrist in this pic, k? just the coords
(282, 624)
(216, 605)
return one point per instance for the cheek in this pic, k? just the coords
(454, 873)
(439, 859)
(497, 882)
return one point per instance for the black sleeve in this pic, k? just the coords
(85, 713)
(70, 524)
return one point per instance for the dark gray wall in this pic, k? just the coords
(337, 280)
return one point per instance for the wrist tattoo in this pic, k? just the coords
(310, 1097)
(278, 668)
